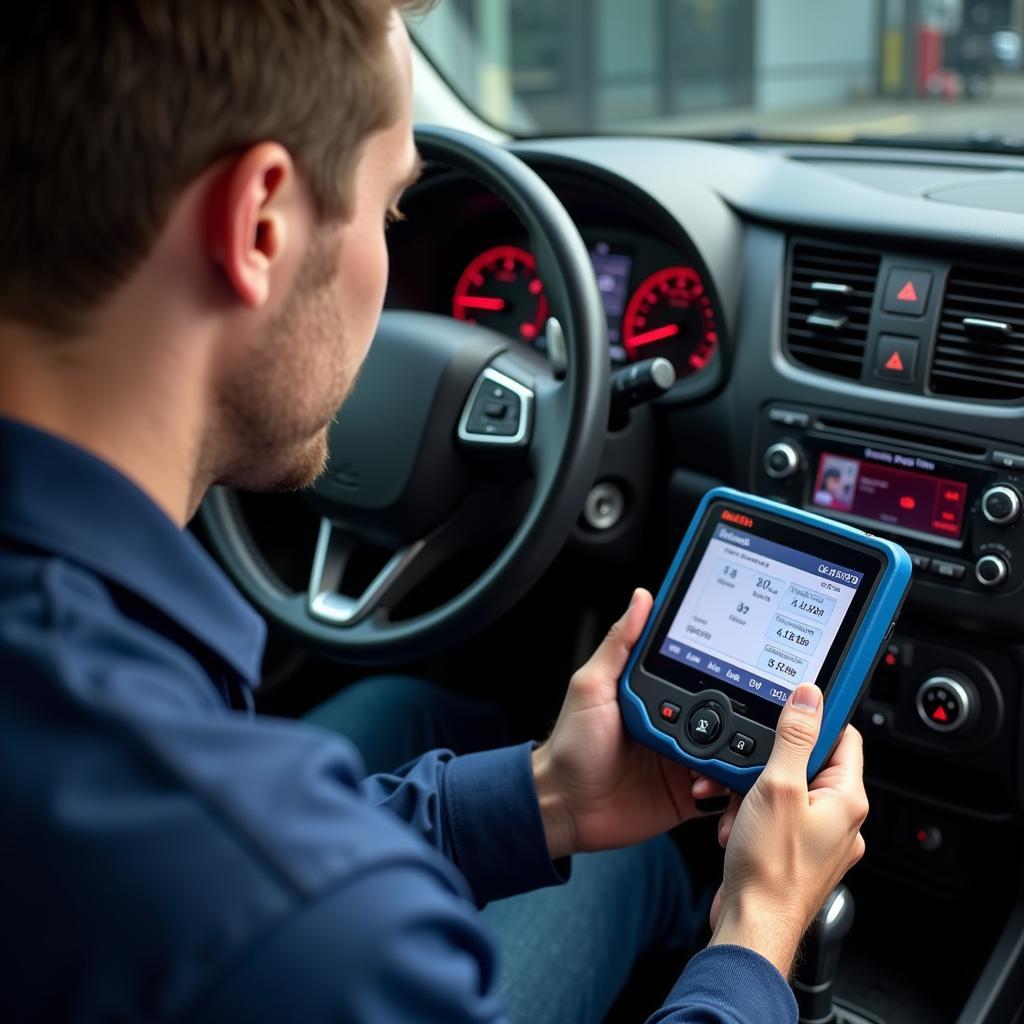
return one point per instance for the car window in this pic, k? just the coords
(934, 72)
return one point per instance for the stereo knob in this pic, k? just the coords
(947, 701)
(991, 570)
(1001, 505)
(781, 460)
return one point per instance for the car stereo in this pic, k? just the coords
(955, 503)
(760, 598)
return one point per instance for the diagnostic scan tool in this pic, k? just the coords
(760, 598)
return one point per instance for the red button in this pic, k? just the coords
(908, 293)
(669, 712)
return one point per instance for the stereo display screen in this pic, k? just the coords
(892, 489)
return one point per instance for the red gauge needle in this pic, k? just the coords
(656, 335)
(480, 302)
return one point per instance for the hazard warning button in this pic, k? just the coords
(906, 291)
(896, 358)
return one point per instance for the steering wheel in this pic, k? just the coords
(442, 412)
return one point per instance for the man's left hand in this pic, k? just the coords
(598, 787)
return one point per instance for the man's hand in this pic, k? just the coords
(599, 788)
(788, 844)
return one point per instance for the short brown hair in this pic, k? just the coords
(111, 108)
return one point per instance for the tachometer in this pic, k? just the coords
(500, 289)
(671, 315)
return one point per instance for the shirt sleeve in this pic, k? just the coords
(728, 985)
(481, 811)
(394, 944)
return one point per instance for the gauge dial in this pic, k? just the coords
(500, 289)
(671, 315)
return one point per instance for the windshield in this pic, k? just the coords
(940, 72)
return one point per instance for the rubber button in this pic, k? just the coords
(742, 745)
(668, 712)
(704, 725)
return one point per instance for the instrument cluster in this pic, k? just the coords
(652, 309)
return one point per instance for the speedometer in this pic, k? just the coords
(500, 289)
(671, 315)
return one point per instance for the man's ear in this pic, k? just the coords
(247, 218)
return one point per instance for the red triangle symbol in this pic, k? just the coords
(939, 714)
(908, 293)
(894, 363)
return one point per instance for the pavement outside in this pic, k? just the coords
(1001, 114)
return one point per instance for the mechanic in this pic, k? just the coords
(193, 263)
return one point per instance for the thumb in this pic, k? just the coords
(609, 660)
(795, 736)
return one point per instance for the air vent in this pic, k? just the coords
(980, 348)
(830, 293)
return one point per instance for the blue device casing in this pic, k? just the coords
(851, 675)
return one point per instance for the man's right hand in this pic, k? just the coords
(789, 843)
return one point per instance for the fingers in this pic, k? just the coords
(728, 819)
(704, 787)
(609, 660)
(795, 736)
(846, 765)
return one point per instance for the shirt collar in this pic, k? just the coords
(59, 498)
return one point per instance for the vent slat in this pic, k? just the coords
(969, 364)
(838, 352)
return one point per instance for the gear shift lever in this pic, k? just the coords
(822, 945)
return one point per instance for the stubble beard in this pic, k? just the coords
(277, 413)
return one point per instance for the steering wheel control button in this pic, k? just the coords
(906, 291)
(497, 412)
(742, 745)
(943, 703)
(991, 570)
(604, 506)
(949, 570)
(705, 725)
(896, 359)
(669, 712)
(1001, 505)
(781, 460)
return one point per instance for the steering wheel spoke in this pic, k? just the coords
(334, 550)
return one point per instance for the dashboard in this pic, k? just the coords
(847, 327)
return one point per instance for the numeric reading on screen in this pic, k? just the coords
(759, 615)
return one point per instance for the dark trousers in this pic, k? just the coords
(565, 952)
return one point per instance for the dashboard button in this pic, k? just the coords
(951, 570)
(781, 460)
(1008, 460)
(704, 725)
(789, 417)
(944, 702)
(920, 561)
(1001, 505)
(896, 358)
(742, 745)
(906, 291)
(991, 570)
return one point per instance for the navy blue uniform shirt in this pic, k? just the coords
(167, 855)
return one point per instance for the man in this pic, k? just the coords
(192, 267)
